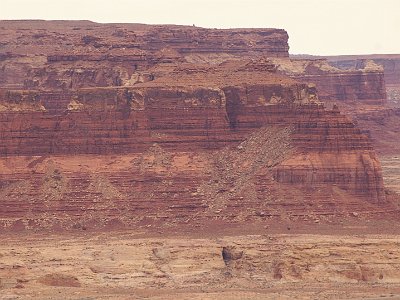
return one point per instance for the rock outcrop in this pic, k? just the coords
(363, 84)
(389, 62)
(76, 54)
(262, 266)
(139, 125)
(381, 120)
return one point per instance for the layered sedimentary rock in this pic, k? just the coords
(383, 126)
(363, 84)
(144, 125)
(172, 166)
(389, 62)
(275, 266)
(64, 55)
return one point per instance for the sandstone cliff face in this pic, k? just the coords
(170, 164)
(389, 62)
(62, 55)
(142, 124)
(383, 127)
(363, 85)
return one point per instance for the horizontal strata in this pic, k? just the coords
(126, 125)
(102, 121)
(364, 84)
(184, 39)
(327, 149)
(75, 55)
(157, 186)
(389, 62)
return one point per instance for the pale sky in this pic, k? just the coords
(321, 27)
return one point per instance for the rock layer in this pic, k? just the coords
(180, 177)
(63, 55)
(364, 84)
(389, 62)
(121, 265)
(138, 125)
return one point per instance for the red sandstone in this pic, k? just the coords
(122, 125)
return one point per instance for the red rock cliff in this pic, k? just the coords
(140, 124)
(63, 55)
(389, 62)
(363, 85)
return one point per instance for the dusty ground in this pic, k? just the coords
(140, 265)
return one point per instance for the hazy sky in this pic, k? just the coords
(314, 26)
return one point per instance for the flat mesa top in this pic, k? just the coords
(36, 37)
(85, 24)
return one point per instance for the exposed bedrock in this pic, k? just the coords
(389, 62)
(361, 87)
(191, 152)
(121, 125)
(54, 55)
(131, 37)
(101, 121)
(364, 84)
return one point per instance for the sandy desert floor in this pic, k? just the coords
(142, 265)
